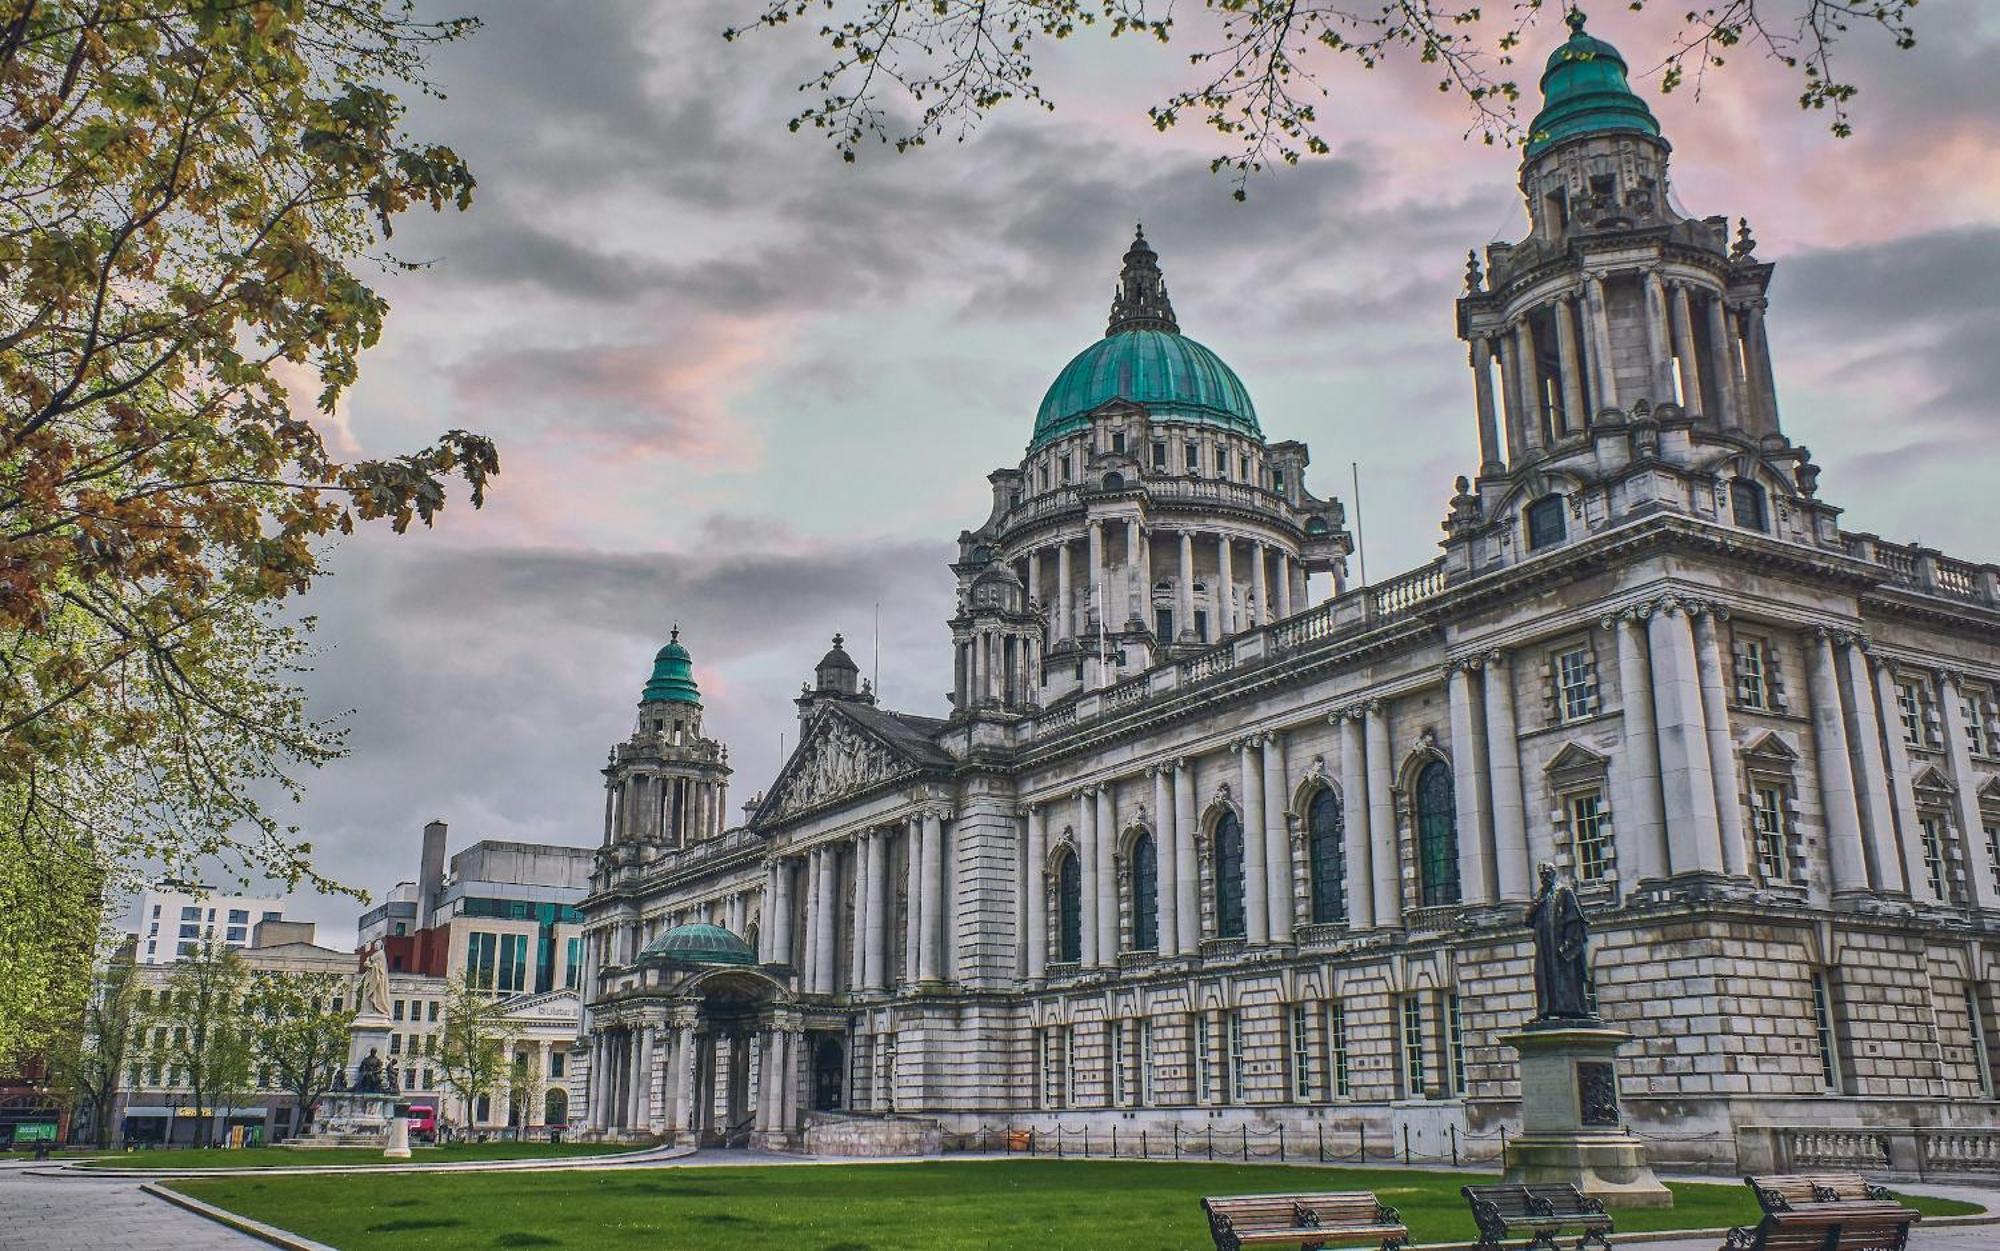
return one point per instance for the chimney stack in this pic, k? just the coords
(430, 879)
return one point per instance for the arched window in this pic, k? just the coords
(1326, 845)
(1114, 481)
(1145, 894)
(555, 1106)
(1069, 910)
(1229, 877)
(1437, 835)
(1546, 527)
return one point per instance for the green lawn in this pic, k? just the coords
(1032, 1205)
(289, 1157)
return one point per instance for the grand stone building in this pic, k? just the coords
(1208, 836)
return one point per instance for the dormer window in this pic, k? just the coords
(1117, 440)
(1160, 455)
(1746, 503)
(1546, 526)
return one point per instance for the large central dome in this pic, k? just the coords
(1144, 358)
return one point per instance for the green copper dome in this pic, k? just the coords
(1144, 358)
(673, 676)
(701, 944)
(1584, 92)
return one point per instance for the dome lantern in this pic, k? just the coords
(1584, 92)
(673, 675)
(700, 945)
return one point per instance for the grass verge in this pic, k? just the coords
(293, 1157)
(1001, 1205)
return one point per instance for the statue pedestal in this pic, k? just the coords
(399, 1139)
(352, 1118)
(1571, 1127)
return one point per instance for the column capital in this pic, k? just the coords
(1954, 678)
(1496, 658)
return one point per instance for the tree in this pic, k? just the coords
(474, 1043)
(905, 71)
(91, 1060)
(206, 1004)
(300, 1034)
(525, 1085)
(187, 194)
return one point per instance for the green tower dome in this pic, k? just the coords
(1144, 358)
(699, 944)
(1584, 92)
(673, 675)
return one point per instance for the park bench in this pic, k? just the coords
(1310, 1221)
(1537, 1213)
(1823, 1212)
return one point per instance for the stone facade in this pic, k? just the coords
(1260, 855)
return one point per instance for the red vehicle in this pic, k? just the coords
(422, 1118)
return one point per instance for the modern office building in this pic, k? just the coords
(170, 922)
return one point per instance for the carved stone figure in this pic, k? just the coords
(1562, 976)
(372, 999)
(372, 1078)
(837, 760)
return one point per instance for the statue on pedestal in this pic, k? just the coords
(373, 1078)
(1562, 973)
(372, 997)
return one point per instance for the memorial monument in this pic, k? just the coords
(361, 1107)
(1571, 1127)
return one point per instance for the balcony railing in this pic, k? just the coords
(1927, 571)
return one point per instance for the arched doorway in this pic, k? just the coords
(555, 1106)
(829, 1068)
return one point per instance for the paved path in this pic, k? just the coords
(78, 1212)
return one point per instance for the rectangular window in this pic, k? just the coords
(1336, 1045)
(1753, 663)
(1117, 440)
(1413, 1048)
(236, 934)
(557, 1061)
(1590, 831)
(1204, 1058)
(431, 1012)
(272, 916)
(395, 1044)
(1767, 833)
(1974, 709)
(573, 963)
(1069, 1064)
(190, 931)
(1302, 1074)
(1982, 1059)
(1576, 684)
(190, 914)
(480, 949)
(239, 916)
(1933, 836)
(1160, 455)
(1546, 525)
(1822, 1006)
(1278, 481)
(1234, 1021)
(1910, 712)
(1193, 457)
(1116, 1092)
(1163, 624)
(1992, 828)
(513, 963)
(1243, 469)
(395, 1009)
(1148, 1095)
(1065, 469)
(1455, 1035)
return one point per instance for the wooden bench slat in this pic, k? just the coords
(1539, 1211)
(1305, 1220)
(1823, 1212)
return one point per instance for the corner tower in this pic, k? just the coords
(1620, 337)
(668, 785)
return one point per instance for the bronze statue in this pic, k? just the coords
(372, 1078)
(1562, 972)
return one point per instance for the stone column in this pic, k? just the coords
(1836, 775)
(1284, 591)
(1382, 819)
(1469, 782)
(1600, 343)
(1573, 416)
(1979, 885)
(1166, 850)
(1530, 372)
(1106, 883)
(1686, 780)
(928, 959)
(764, 1083)
(685, 1059)
(1641, 835)
(1086, 872)
(877, 968)
(1094, 579)
(1915, 872)
(593, 1085)
(857, 960)
(1187, 867)
(1256, 903)
(1065, 596)
(642, 1086)
(1490, 460)
(1277, 839)
(767, 932)
(1035, 886)
(809, 924)
(1184, 625)
(1510, 396)
(1503, 761)
(781, 950)
(1259, 589)
(794, 1048)
(1865, 727)
(1757, 347)
(1660, 355)
(1225, 601)
(1354, 823)
(913, 870)
(1721, 364)
(1735, 850)
(1684, 348)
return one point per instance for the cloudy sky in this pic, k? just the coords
(742, 386)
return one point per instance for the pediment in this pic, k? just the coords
(554, 1005)
(1991, 790)
(1929, 779)
(1576, 758)
(1771, 748)
(837, 758)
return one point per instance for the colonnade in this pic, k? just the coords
(692, 1077)
(813, 891)
(1710, 351)
(1273, 580)
(665, 808)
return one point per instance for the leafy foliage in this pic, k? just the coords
(300, 1033)
(210, 1045)
(186, 191)
(89, 1061)
(474, 1043)
(904, 71)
